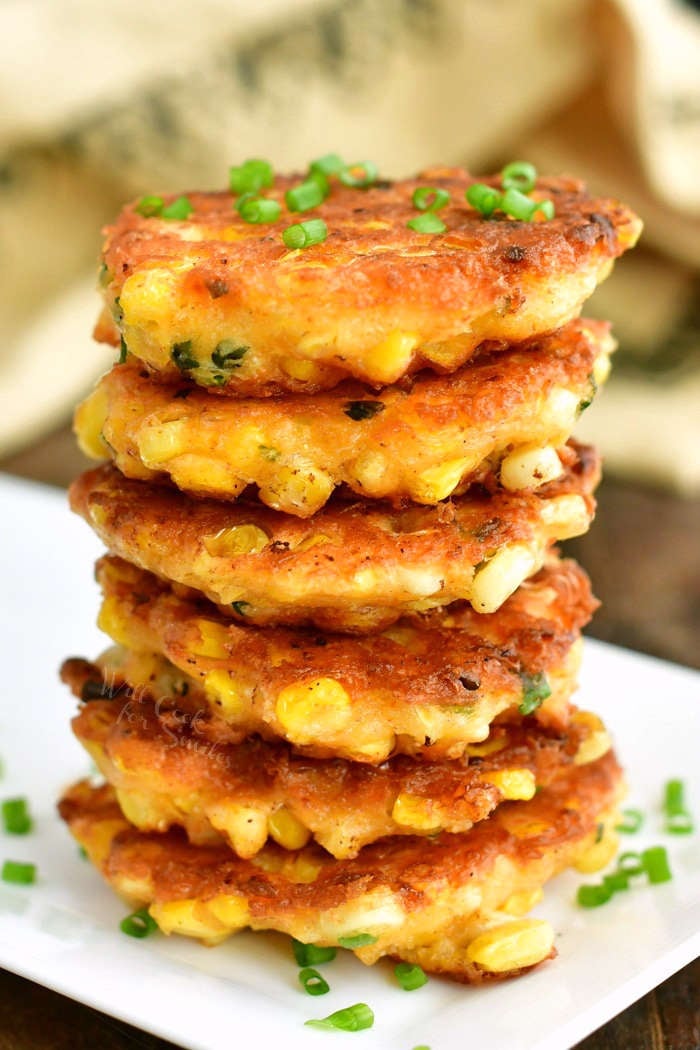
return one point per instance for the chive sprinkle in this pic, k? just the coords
(593, 896)
(410, 977)
(632, 820)
(306, 195)
(227, 354)
(18, 873)
(516, 204)
(630, 863)
(304, 234)
(181, 208)
(359, 410)
(150, 205)
(536, 688)
(360, 175)
(251, 176)
(15, 816)
(312, 982)
(483, 198)
(430, 198)
(259, 209)
(329, 164)
(678, 820)
(181, 355)
(139, 924)
(655, 864)
(350, 1019)
(357, 940)
(428, 222)
(519, 175)
(546, 207)
(311, 954)
(240, 608)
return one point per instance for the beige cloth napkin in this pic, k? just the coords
(96, 109)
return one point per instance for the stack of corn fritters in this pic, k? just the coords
(339, 700)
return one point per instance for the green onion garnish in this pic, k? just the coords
(228, 354)
(18, 873)
(519, 175)
(122, 350)
(306, 195)
(350, 1019)
(330, 164)
(594, 896)
(619, 880)
(655, 863)
(360, 175)
(428, 222)
(546, 207)
(515, 203)
(179, 209)
(311, 954)
(359, 410)
(181, 355)
(304, 234)
(430, 198)
(484, 198)
(678, 820)
(139, 924)
(240, 608)
(357, 940)
(15, 816)
(410, 977)
(536, 688)
(149, 206)
(250, 177)
(259, 209)
(312, 981)
(630, 863)
(632, 820)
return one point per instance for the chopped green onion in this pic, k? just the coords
(655, 863)
(630, 863)
(680, 824)
(484, 198)
(515, 203)
(240, 608)
(179, 209)
(82, 852)
(312, 981)
(678, 820)
(18, 873)
(410, 977)
(360, 175)
(304, 234)
(306, 195)
(15, 816)
(430, 198)
(421, 1047)
(632, 820)
(357, 940)
(617, 881)
(519, 175)
(593, 896)
(311, 954)
(250, 177)
(546, 207)
(259, 209)
(270, 454)
(181, 355)
(138, 924)
(350, 1019)
(149, 206)
(536, 688)
(330, 164)
(228, 354)
(122, 350)
(428, 222)
(359, 410)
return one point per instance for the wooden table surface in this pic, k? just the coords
(643, 554)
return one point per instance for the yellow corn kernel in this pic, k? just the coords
(437, 483)
(286, 829)
(522, 826)
(225, 692)
(374, 750)
(230, 910)
(299, 490)
(488, 747)
(369, 471)
(388, 360)
(244, 826)
(514, 784)
(415, 812)
(310, 709)
(565, 516)
(213, 640)
(497, 580)
(138, 890)
(147, 296)
(512, 945)
(237, 539)
(302, 868)
(597, 742)
(150, 811)
(529, 466)
(559, 413)
(204, 474)
(521, 903)
(317, 540)
(159, 442)
(599, 854)
(97, 840)
(90, 418)
(189, 918)
(112, 622)
(601, 368)
(304, 371)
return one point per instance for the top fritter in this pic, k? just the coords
(207, 286)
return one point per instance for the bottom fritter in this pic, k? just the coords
(452, 904)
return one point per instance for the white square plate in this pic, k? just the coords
(63, 932)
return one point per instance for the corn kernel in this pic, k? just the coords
(415, 812)
(310, 709)
(188, 918)
(597, 742)
(599, 854)
(302, 868)
(287, 830)
(317, 540)
(299, 490)
(230, 910)
(214, 639)
(90, 418)
(497, 580)
(529, 466)
(112, 622)
(565, 516)
(389, 359)
(559, 412)
(152, 812)
(601, 368)
(437, 483)
(304, 371)
(244, 826)
(159, 442)
(519, 904)
(514, 784)
(369, 470)
(512, 945)
(489, 746)
(204, 474)
(226, 693)
(237, 539)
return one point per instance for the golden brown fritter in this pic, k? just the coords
(505, 412)
(166, 771)
(446, 903)
(227, 302)
(428, 685)
(352, 567)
